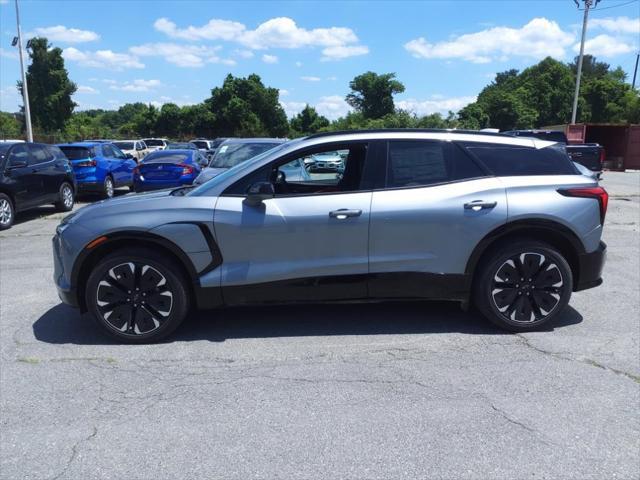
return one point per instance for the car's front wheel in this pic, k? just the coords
(7, 212)
(137, 296)
(523, 286)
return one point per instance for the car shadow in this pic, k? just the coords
(63, 324)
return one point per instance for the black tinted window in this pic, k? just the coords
(514, 160)
(39, 154)
(168, 157)
(417, 163)
(107, 151)
(56, 152)
(18, 154)
(77, 153)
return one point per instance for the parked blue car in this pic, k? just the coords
(168, 168)
(99, 167)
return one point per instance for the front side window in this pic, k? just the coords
(416, 163)
(334, 170)
(19, 155)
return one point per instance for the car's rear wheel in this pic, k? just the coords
(137, 296)
(7, 212)
(65, 198)
(108, 188)
(523, 286)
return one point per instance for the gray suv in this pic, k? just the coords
(506, 223)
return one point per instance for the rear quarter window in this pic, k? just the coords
(515, 160)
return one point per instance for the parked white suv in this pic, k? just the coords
(155, 144)
(136, 148)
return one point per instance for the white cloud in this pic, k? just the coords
(292, 108)
(60, 33)
(10, 99)
(12, 54)
(138, 85)
(437, 104)
(617, 24)
(280, 32)
(332, 107)
(87, 89)
(102, 59)
(343, 51)
(605, 46)
(537, 39)
(190, 56)
(269, 58)
(310, 79)
(332, 78)
(215, 29)
(283, 93)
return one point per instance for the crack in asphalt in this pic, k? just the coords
(529, 429)
(74, 452)
(568, 357)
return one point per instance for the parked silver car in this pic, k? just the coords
(503, 222)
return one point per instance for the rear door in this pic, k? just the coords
(437, 204)
(43, 164)
(307, 243)
(21, 178)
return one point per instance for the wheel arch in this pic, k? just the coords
(547, 231)
(90, 257)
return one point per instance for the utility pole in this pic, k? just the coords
(635, 72)
(25, 90)
(587, 5)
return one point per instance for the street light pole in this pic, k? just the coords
(25, 90)
(587, 6)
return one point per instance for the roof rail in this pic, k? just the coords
(401, 130)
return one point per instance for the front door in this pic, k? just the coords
(309, 242)
(25, 183)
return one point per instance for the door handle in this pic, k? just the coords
(478, 205)
(344, 213)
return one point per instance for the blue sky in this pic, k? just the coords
(444, 52)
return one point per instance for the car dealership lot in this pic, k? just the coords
(352, 391)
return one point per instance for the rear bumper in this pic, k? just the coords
(591, 266)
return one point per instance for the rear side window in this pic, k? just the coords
(56, 152)
(415, 163)
(516, 160)
(39, 154)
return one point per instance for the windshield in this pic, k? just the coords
(76, 153)
(237, 170)
(153, 143)
(124, 145)
(200, 144)
(230, 155)
(181, 146)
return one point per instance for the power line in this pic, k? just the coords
(616, 6)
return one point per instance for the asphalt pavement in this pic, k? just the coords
(378, 391)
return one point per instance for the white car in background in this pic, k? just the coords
(155, 144)
(136, 148)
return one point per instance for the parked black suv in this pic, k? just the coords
(33, 174)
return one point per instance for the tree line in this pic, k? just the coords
(538, 96)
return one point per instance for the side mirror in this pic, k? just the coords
(258, 192)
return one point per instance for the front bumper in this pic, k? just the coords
(66, 292)
(590, 268)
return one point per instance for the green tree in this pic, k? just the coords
(10, 127)
(50, 89)
(473, 117)
(246, 107)
(372, 94)
(197, 120)
(169, 122)
(307, 121)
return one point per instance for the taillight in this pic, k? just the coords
(603, 156)
(88, 163)
(186, 169)
(597, 193)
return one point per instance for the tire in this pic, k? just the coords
(108, 187)
(7, 212)
(65, 198)
(137, 316)
(523, 285)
